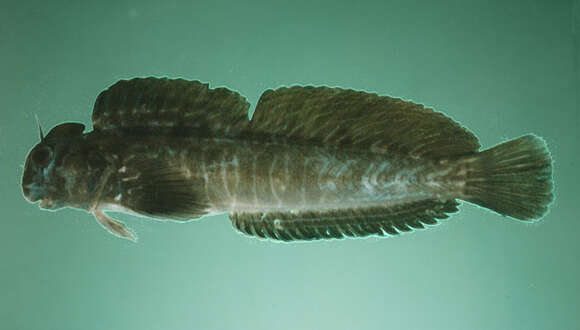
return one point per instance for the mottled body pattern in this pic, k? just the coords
(246, 176)
(170, 149)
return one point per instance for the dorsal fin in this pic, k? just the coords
(348, 118)
(330, 116)
(171, 103)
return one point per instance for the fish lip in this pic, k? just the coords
(29, 198)
(33, 192)
(46, 204)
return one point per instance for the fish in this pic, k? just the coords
(313, 163)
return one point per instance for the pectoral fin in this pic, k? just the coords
(160, 190)
(114, 227)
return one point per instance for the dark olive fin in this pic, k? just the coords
(349, 118)
(286, 226)
(513, 178)
(157, 190)
(178, 104)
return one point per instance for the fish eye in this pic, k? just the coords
(41, 157)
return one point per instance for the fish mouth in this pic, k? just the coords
(33, 192)
(46, 204)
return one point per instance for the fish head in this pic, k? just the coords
(54, 167)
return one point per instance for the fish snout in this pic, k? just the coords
(33, 192)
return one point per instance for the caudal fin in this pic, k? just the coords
(513, 178)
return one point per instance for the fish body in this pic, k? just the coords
(302, 169)
(273, 177)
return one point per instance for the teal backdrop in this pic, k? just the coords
(501, 68)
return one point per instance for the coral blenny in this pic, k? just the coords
(313, 162)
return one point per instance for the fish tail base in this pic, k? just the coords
(513, 178)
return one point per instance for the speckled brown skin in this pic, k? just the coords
(230, 175)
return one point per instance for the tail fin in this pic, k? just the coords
(513, 178)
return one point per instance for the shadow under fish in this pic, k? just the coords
(313, 163)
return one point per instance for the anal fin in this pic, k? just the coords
(336, 224)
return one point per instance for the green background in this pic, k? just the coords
(501, 68)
